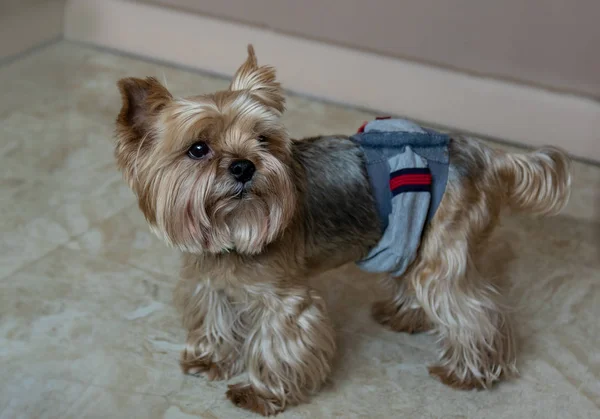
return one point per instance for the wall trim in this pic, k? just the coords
(493, 108)
(28, 26)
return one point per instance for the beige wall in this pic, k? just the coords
(483, 106)
(554, 43)
(25, 24)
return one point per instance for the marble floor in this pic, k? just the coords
(87, 328)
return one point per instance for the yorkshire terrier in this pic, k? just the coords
(257, 213)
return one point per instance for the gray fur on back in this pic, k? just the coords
(340, 214)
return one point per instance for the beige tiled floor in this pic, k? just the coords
(87, 329)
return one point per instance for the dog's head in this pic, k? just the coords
(211, 173)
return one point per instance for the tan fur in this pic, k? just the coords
(243, 292)
(402, 312)
(477, 341)
(230, 123)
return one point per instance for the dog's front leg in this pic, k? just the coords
(288, 350)
(215, 331)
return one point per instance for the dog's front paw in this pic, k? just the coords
(201, 366)
(246, 397)
(216, 362)
(193, 364)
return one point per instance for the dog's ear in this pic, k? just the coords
(142, 100)
(259, 81)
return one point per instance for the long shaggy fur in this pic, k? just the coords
(248, 248)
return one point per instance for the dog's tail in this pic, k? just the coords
(537, 182)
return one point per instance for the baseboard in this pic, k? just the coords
(493, 108)
(27, 26)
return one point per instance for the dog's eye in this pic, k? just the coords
(198, 150)
(262, 138)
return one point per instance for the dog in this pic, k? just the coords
(255, 213)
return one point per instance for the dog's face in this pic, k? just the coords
(211, 173)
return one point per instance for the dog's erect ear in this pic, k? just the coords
(259, 81)
(142, 100)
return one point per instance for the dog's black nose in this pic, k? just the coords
(242, 170)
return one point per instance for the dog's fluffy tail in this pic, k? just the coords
(538, 182)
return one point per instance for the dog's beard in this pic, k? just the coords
(207, 211)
